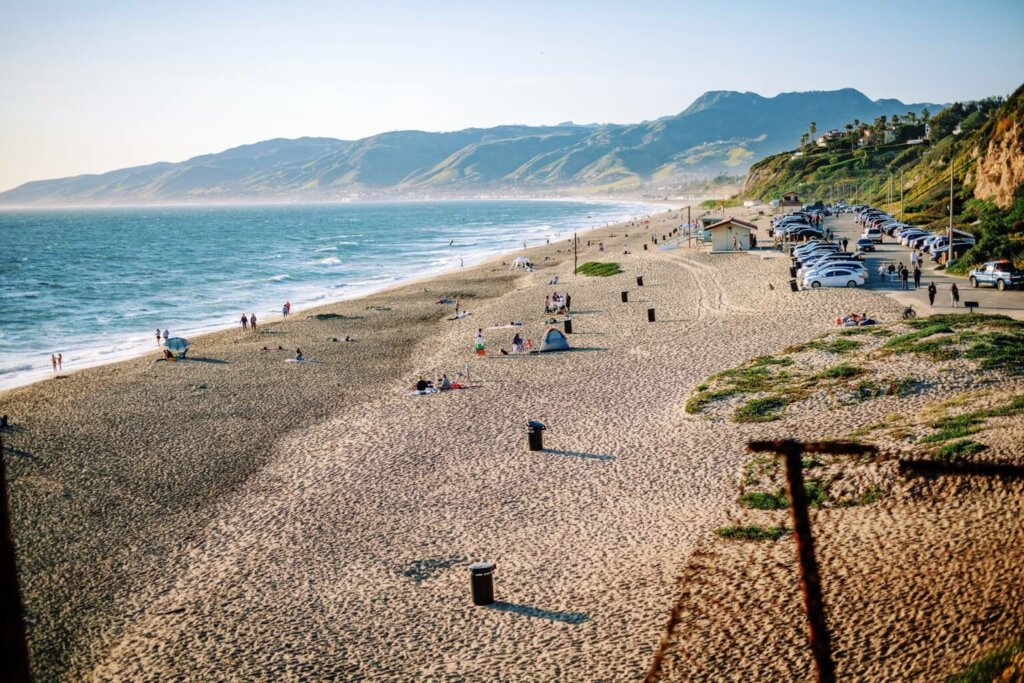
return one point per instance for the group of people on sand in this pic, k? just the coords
(166, 335)
(249, 322)
(558, 304)
(423, 386)
(856, 320)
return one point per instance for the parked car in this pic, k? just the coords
(873, 234)
(821, 267)
(835, 277)
(865, 244)
(1000, 274)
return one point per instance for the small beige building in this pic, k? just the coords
(790, 202)
(731, 234)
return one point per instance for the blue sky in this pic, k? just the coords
(93, 86)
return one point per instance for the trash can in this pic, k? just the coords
(645, 246)
(639, 280)
(535, 433)
(568, 326)
(793, 286)
(792, 271)
(482, 580)
(650, 315)
(625, 297)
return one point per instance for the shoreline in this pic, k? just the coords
(195, 332)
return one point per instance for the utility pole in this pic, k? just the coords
(901, 195)
(575, 255)
(949, 235)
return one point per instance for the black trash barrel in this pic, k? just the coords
(482, 580)
(645, 246)
(650, 315)
(792, 271)
(535, 434)
(625, 297)
(568, 326)
(639, 280)
(793, 286)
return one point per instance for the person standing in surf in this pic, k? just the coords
(60, 362)
(53, 362)
(158, 336)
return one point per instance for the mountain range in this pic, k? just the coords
(721, 132)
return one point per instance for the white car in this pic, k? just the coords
(821, 268)
(873, 234)
(835, 277)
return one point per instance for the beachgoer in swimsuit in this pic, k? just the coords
(167, 335)
(158, 336)
(53, 362)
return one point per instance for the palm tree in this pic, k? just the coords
(912, 117)
(803, 140)
(925, 115)
(895, 119)
(856, 123)
(813, 128)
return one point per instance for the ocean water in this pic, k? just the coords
(95, 284)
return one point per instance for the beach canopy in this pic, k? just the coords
(177, 345)
(521, 262)
(554, 340)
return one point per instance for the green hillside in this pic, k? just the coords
(981, 142)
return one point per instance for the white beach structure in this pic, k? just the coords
(731, 234)
(521, 262)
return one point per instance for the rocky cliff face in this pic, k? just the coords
(1000, 170)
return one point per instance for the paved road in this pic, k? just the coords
(990, 300)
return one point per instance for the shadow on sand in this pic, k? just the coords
(578, 454)
(574, 618)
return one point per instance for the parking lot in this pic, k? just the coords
(989, 299)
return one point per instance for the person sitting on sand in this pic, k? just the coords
(422, 384)
(264, 349)
(444, 384)
(280, 348)
(517, 343)
(298, 355)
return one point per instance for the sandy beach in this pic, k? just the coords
(240, 517)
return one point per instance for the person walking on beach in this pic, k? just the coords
(245, 322)
(158, 336)
(252, 321)
(53, 362)
(903, 277)
(954, 296)
(60, 362)
(479, 342)
(932, 291)
(917, 277)
(286, 309)
(167, 335)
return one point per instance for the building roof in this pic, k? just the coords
(732, 221)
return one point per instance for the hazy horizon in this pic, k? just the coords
(93, 89)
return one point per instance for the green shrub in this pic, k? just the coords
(760, 410)
(761, 500)
(959, 450)
(841, 371)
(991, 666)
(751, 533)
(598, 269)
(841, 345)
(699, 401)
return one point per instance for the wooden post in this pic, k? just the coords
(14, 666)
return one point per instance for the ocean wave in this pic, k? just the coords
(330, 261)
(16, 368)
(325, 249)
(280, 278)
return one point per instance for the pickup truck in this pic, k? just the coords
(1002, 274)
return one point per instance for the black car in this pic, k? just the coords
(865, 245)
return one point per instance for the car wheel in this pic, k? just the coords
(815, 285)
(974, 282)
(851, 283)
(1000, 285)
